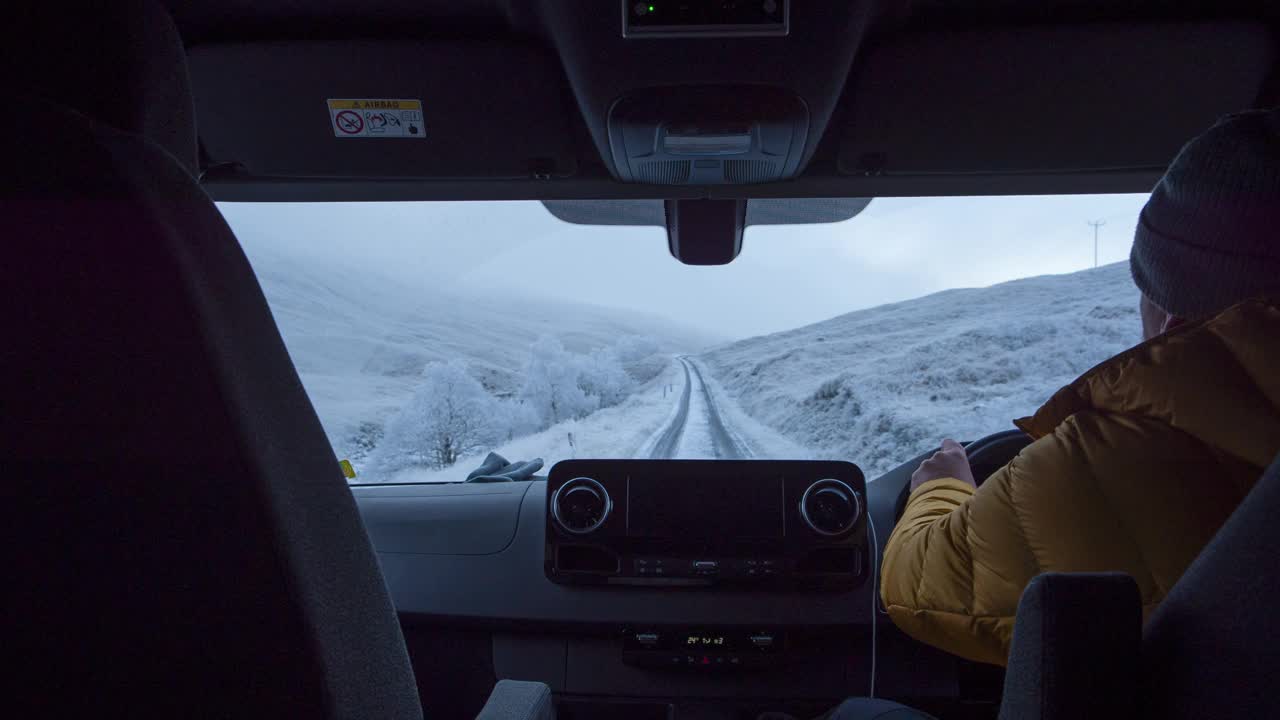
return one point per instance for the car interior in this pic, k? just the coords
(181, 541)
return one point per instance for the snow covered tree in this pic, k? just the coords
(517, 418)
(551, 387)
(601, 376)
(450, 415)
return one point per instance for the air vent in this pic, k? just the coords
(830, 507)
(581, 506)
(664, 172)
(586, 558)
(750, 171)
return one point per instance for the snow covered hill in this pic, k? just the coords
(879, 386)
(361, 341)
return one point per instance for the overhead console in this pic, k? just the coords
(707, 19)
(714, 135)
(706, 93)
(777, 525)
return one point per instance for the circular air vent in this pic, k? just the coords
(581, 505)
(830, 507)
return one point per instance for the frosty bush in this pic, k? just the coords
(363, 441)
(450, 415)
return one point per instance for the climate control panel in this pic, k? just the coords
(704, 649)
(694, 523)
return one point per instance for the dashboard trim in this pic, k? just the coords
(509, 588)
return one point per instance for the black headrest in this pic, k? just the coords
(120, 63)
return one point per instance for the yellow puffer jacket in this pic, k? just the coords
(1134, 467)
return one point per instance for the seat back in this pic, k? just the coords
(1075, 649)
(1209, 650)
(1212, 648)
(179, 539)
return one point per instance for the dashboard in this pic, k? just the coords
(491, 558)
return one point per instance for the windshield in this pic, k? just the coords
(431, 334)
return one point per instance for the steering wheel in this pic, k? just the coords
(986, 455)
(989, 454)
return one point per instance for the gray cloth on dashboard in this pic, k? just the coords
(496, 468)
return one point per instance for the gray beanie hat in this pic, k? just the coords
(1209, 236)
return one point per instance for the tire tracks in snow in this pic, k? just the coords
(670, 440)
(726, 445)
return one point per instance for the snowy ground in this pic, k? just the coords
(880, 385)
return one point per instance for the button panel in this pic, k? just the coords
(683, 661)
(731, 569)
(703, 649)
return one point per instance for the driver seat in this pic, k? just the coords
(179, 539)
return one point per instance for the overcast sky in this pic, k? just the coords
(787, 276)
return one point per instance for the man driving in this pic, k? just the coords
(1135, 465)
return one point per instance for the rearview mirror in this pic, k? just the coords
(705, 232)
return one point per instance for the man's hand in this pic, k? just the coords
(949, 462)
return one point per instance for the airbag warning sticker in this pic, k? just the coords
(376, 118)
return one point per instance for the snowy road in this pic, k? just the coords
(697, 429)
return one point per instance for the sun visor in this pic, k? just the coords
(1046, 100)
(382, 110)
(760, 211)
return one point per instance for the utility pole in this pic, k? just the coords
(1095, 224)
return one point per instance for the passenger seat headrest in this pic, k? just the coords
(120, 63)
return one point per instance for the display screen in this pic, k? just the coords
(706, 13)
(705, 641)
(705, 508)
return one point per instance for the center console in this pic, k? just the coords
(733, 525)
